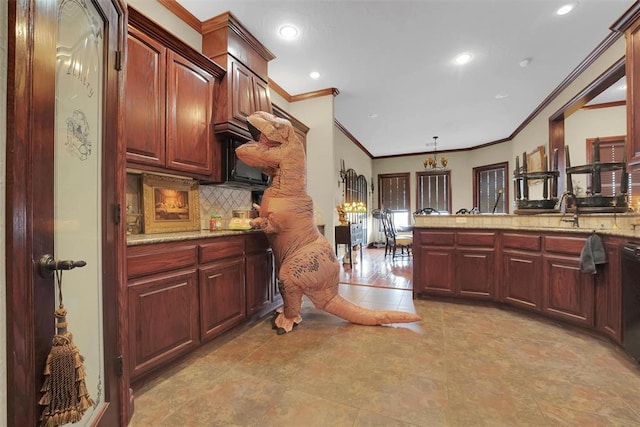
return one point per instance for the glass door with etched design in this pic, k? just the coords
(80, 52)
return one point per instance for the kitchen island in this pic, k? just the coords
(530, 262)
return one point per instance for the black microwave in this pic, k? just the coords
(238, 173)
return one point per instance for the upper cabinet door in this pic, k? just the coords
(145, 99)
(242, 100)
(190, 103)
(262, 95)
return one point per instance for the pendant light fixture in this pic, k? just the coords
(433, 162)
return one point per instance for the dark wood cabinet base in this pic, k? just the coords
(186, 293)
(534, 271)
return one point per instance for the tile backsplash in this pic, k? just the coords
(221, 200)
(213, 199)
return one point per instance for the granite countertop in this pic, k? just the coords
(146, 239)
(623, 224)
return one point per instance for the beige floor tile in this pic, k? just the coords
(462, 365)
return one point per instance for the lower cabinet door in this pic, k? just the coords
(222, 296)
(475, 273)
(522, 280)
(569, 293)
(259, 282)
(608, 284)
(163, 319)
(434, 273)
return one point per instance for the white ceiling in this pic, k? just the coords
(393, 59)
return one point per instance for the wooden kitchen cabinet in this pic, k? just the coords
(190, 107)
(248, 94)
(170, 101)
(522, 271)
(433, 262)
(454, 263)
(182, 294)
(608, 288)
(163, 315)
(162, 304)
(145, 106)
(244, 89)
(533, 270)
(567, 293)
(222, 296)
(221, 284)
(259, 274)
(475, 264)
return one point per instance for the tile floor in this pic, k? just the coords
(463, 365)
(376, 269)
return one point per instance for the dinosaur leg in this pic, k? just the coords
(289, 316)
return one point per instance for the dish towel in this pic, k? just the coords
(592, 254)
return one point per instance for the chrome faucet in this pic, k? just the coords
(568, 196)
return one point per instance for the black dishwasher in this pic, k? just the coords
(631, 299)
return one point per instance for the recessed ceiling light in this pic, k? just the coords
(314, 75)
(463, 58)
(525, 62)
(373, 115)
(288, 32)
(566, 8)
(501, 95)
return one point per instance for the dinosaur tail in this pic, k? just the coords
(354, 313)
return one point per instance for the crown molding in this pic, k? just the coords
(352, 138)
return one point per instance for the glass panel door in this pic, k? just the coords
(78, 220)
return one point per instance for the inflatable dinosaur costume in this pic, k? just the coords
(305, 260)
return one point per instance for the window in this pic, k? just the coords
(490, 192)
(434, 190)
(393, 195)
(612, 151)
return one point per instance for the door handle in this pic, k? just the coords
(47, 265)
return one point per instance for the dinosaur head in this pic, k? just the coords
(273, 137)
(275, 129)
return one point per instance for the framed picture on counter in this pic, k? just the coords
(170, 204)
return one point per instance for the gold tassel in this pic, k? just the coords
(65, 397)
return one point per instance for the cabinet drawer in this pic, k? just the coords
(221, 247)
(143, 260)
(526, 242)
(476, 239)
(436, 238)
(564, 244)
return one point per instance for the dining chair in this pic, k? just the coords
(395, 240)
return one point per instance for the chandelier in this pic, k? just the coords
(432, 162)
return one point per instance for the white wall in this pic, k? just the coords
(537, 132)
(360, 162)
(170, 22)
(595, 123)
(3, 169)
(460, 164)
(317, 113)
(353, 156)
